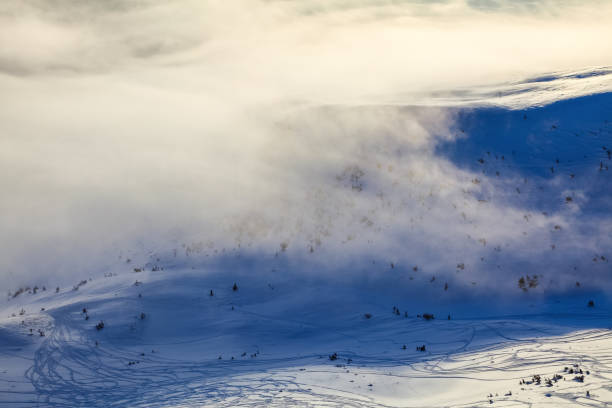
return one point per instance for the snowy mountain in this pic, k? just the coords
(305, 203)
(387, 333)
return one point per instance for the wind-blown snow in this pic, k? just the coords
(142, 126)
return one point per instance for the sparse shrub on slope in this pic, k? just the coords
(528, 282)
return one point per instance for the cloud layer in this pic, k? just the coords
(271, 125)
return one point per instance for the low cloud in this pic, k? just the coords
(271, 126)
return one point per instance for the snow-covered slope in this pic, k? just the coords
(167, 342)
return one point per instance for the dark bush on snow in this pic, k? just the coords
(527, 282)
(19, 292)
(333, 357)
(100, 325)
(428, 316)
(78, 285)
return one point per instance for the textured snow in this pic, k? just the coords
(269, 343)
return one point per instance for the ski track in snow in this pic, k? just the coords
(69, 370)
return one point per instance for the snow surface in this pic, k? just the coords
(269, 343)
